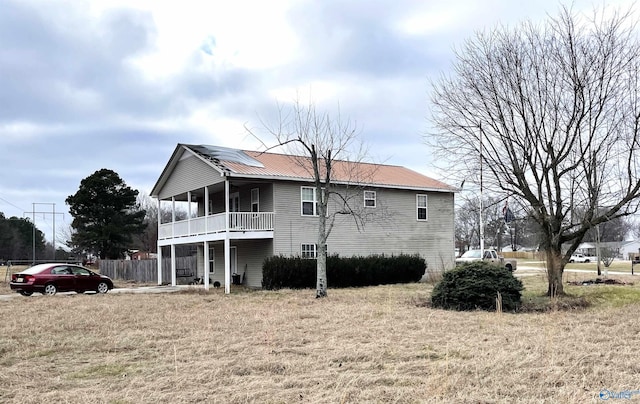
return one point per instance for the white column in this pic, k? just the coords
(206, 265)
(159, 265)
(189, 213)
(173, 265)
(173, 216)
(206, 210)
(227, 243)
(159, 249)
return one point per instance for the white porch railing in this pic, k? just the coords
(238, 221)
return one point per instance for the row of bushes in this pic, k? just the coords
(342, 272)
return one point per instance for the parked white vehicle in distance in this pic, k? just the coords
(582, 258)
(490, 256)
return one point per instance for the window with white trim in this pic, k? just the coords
(308, 251)
(369, 199)
(212, 260)
(421, 205)
(308, 201)
(255, 200)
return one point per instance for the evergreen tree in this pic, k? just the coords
(105, 215)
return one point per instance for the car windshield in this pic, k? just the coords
(471, 254)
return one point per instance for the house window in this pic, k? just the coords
(212, 260)
(421, 204)
(255, 200)
(309, 251)
(234, 202)
(309, 201)
(369, 199)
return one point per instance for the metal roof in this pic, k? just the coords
(218, 153)
(254, 164)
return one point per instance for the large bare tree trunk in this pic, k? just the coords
(555, 269)
(321, 267)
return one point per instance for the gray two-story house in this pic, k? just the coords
(244, 206)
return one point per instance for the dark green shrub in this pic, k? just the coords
(296, 273)
(475, 285)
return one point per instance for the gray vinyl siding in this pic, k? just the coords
(190, 173)
(291, 229)
(395, 230)
(265, 197)
(250, 256)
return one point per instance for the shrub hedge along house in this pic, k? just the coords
(245, 206)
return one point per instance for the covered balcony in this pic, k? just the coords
(237, 210)
(217, 223)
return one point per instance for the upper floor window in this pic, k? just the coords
(255, 200)
(370, 199)
(309, 201)
(421, 205)
(234, 202)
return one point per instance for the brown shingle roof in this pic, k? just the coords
(283, 166)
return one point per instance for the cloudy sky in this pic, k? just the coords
(86, 85)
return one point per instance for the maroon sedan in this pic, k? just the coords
(49, 279)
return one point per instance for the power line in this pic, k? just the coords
(15, 206)
(52, 213)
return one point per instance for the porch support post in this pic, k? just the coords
(206, 265)
(189, 213)
(227, 243)
(159, 265)
(158, 248)
(206, 210)
(173, 216)
(173, 265)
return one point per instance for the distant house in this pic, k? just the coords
(630, 249)
(626, 249)
(141, 255)
(246, 206)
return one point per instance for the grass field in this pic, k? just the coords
(377, 344)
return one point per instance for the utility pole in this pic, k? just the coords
(481, 207)
(33, 219)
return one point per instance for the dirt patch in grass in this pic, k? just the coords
(358, 345)
(600, 281)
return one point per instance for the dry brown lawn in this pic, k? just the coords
(377, 344)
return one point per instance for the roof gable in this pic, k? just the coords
(181, 151)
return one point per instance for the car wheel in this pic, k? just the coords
(26, 292)
(570, 260)
(50, 289)
(586, 261)
(103, 287)
(509, 267)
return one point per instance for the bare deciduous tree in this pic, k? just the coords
(553, 113)
(147, 240)
(328, 149)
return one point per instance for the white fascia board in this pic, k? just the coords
(300, 179)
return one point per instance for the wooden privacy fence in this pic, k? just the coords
(531, 255)
(145, 271)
